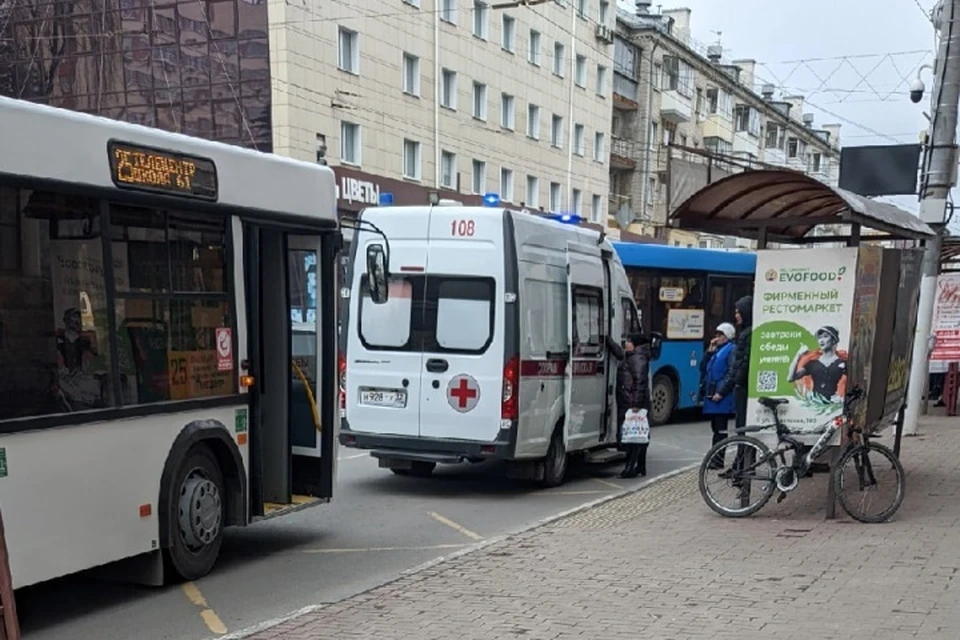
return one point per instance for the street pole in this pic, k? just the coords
(937, 179)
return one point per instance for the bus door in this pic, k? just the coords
(292, 337)
(722, 293)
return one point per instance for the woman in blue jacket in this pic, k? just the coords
(718, 383)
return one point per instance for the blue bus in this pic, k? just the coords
(683, 293)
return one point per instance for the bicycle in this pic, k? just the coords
(750, 455)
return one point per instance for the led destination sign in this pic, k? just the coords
(158, 171)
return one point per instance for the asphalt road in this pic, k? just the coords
(377, 526)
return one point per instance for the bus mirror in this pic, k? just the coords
(656, 344)
(377, 273)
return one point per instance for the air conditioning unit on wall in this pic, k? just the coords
(605, 33)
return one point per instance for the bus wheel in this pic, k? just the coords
(663, 397)
(197, 513)
(555, 464)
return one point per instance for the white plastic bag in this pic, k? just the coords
(636, 427)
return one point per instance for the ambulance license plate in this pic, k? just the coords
(395, 399)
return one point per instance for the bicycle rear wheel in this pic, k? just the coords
(731, 469)
(866, 475)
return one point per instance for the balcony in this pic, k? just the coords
(743, 142)
(617, 201)
(675, 107)
(623, 154)
(625, 93)
(718, 126)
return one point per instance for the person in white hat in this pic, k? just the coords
(718, 402)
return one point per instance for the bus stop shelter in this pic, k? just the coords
(788, 207)
(784, 207)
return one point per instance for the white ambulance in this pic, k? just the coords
(485, 341)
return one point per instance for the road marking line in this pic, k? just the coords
(607, 483)
(354, 456)
(359, 550)
(209, 616)
(456, 527)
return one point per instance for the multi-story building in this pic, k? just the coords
(402, 97)
(683, 117)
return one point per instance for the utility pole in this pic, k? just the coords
(937, 179)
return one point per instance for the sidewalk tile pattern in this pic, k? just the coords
(659, 564)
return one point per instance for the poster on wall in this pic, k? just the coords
(946, 319)
(904, 326)
(803, 303)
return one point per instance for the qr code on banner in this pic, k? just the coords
(767, 381)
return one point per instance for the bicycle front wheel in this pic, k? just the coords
(739, 469)
(870, 483)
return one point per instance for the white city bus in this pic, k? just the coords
(151, 389)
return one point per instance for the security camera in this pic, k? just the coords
(916, 90)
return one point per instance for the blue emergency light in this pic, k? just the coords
(386, 199)
(565, 218)
(491, 200)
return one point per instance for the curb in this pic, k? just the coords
(268, 624)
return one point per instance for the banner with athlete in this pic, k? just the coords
(803, 304)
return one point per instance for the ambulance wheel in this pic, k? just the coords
(196, 511)
(555, 464)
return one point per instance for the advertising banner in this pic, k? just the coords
(803, 304)
(904, 326)
(866, 298)
(946, 319)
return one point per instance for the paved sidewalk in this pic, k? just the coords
(659, 564)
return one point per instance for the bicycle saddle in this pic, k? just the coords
(772, 403)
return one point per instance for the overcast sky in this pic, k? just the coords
(852, 59)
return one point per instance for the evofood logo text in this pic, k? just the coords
(811, 275)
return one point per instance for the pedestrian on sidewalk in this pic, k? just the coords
(740, 367)
(718, 384)
(633, 392)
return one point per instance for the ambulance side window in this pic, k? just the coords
(631, 324)
(465, 313)
(387, 326)
(588, 329)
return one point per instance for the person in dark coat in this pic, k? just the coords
(633, 392)
(740, 365)
(718, 383)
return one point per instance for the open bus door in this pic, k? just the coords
(293, 324)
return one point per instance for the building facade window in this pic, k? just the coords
(508, 116)
(448, 170)
(601, 80)
(411, 74)
(478, 177)
(348, 50)
(533, 121)
(580, 71)
(506, 185)
(508, 40)
(556, 200)
(559, 52)
(533, 192)
(481, 19)
(350, 143)
(411, 159)
(556, 131)
(480, 101)
(448, 89)
(599, 146)
(448, 11)
(579, 139)
(533, 51)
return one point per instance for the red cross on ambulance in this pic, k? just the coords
(463, 393)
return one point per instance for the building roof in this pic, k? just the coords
(787, 205)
